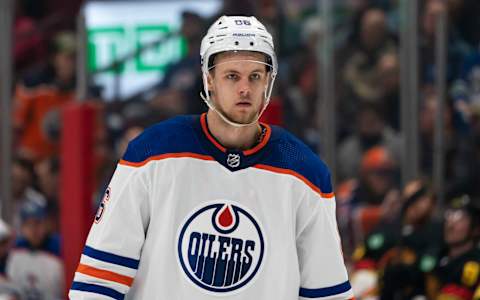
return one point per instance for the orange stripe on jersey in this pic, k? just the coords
(297, 175)
(203, 121)
(105, 275)
(266, 138)
(165, 156)
(262, 144)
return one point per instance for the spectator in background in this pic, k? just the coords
(131, 133)
(457, 49)
(465, 92)
(464, 16)
(392, 259)
(360, 78)
(182, 84)
(23, 188)
(470, 161)
(38, 98)
(363, 202)
(302, 78)
(34, 265)
(428, 110)
(47, 172)
(22, 178)
(458, 151)
(28, 47)
(8, 290)
(48, 183)
(388, 69)
(416, 237)
(456, 274)
(370, 131)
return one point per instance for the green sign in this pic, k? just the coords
(109, 44)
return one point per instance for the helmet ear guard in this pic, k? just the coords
(237, 33)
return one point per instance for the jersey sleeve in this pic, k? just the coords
(323, 274)
(111, 256)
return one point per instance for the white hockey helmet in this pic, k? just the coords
(237, 33)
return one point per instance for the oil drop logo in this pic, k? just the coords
(221, 247)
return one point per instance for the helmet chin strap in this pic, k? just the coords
(206, 98)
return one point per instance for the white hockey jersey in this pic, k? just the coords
(185, 218)
(36, 273)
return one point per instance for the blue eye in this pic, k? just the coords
(255, 76)
(232, 76)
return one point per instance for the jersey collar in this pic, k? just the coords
(211, 138)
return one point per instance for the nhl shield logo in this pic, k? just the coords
(221, 248)
(233, 160)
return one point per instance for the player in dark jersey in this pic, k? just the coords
(457, 272)
(394, 256)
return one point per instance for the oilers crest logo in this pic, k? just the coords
(221, 247)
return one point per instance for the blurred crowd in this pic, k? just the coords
(399, 241)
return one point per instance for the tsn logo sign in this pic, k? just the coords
(108, 44)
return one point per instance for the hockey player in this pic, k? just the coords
(218, 204)
(392, 261)
(457, 272)
(34, 264)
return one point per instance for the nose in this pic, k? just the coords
(244, 87)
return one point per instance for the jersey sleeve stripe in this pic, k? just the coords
(97, 289)
(165, 156)
(86, 260)
(325, 292)
(105, 275)
(299, 176)
(111, 258)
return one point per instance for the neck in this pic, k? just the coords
(232, 137)
(458, 250)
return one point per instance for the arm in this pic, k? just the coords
(112, 252)
(322, 270)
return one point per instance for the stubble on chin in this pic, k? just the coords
(240, 117)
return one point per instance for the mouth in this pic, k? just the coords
(243, 104)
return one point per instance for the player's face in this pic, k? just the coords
(420, 210)
(35, 230)
(457, 226)
(238, 85)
